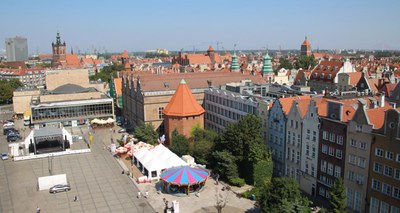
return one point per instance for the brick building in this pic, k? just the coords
(182, 113)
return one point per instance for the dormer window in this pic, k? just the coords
(315, 75)
(322, 75)
(334, 68)
(327, 67)
(329, 76)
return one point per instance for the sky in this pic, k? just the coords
(114, 26)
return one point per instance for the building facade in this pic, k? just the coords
(17, 49)
(384, 169)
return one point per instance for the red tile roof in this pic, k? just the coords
(118, 85)
(72, 60)
(326, 71)
(183, 103)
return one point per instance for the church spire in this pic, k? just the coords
(267, 65)
(235, 64)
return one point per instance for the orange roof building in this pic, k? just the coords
(182, 113)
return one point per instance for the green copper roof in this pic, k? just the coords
(235, 64)
(267, 66)
(183, 81)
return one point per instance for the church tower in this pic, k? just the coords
(267, 72)
(305, 48)
(235, 64)
(59, 51)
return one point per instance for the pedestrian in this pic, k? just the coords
(76, 198)
(216, 178)
(114, 131)
(38, 210)
(139, 195)
(146, 194)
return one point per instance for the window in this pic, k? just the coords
(332, 137)
(160, 112)
(398, 158)
(363, 145)
(357, 201)
(360, 178)
(378, 168)
(359, 128)
(361, 162)
(384, 207)
(397, 174)
(396, 193)
(353, 143)
(386, 189)
(379, 152)
(325, 135)
(330, 169)
(307, 150)
(312, 170)
(338, 153)
(394, 209)
(339, 140)
(314, 138)
(388, 171)
(313, 151)
(352, 159)
(374, 205)
(322, 191)
(350, 175)
(323, 166)
(338, 171)
(389, 155)
(331, 151)
(376, 185)
(324, 148)
(349, 196)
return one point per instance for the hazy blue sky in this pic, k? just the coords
(176, 24)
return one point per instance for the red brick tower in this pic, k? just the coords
(305, 48)
(182, 113)
(59, 51)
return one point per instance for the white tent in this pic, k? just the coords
(156, 160)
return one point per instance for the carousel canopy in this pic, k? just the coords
(185, 175)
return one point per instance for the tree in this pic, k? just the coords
(244, 141)
(203, 145)
(221, 199)
(283, 195)
(284, 63)
(105, 74)
(146, 133)
(179, 143)
(7, 87)
(338, 197)
(225, 164)
(305, 62)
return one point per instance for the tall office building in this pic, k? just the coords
(17, 49)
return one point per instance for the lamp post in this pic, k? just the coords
(50, 164)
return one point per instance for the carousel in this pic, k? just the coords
(184, 180)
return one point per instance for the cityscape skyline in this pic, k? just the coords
(141, 26)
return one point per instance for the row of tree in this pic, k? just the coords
(105, 74)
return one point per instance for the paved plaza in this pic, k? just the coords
(94, 177)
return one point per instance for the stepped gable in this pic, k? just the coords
(183, 103)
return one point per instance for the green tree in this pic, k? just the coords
(283, 195)
(225, 165)
(203, 145)
(244, 140)
(146, 133)
(105, 74)
(338, 197)
(7, 87)
(284, 63)
(179, 143)
(305, 62)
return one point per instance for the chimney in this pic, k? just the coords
(166, 85)
(209, 82)
(373, 104)
(382, 100)
(326, 92)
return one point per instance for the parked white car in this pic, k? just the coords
(9, 124)
(4, 156)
